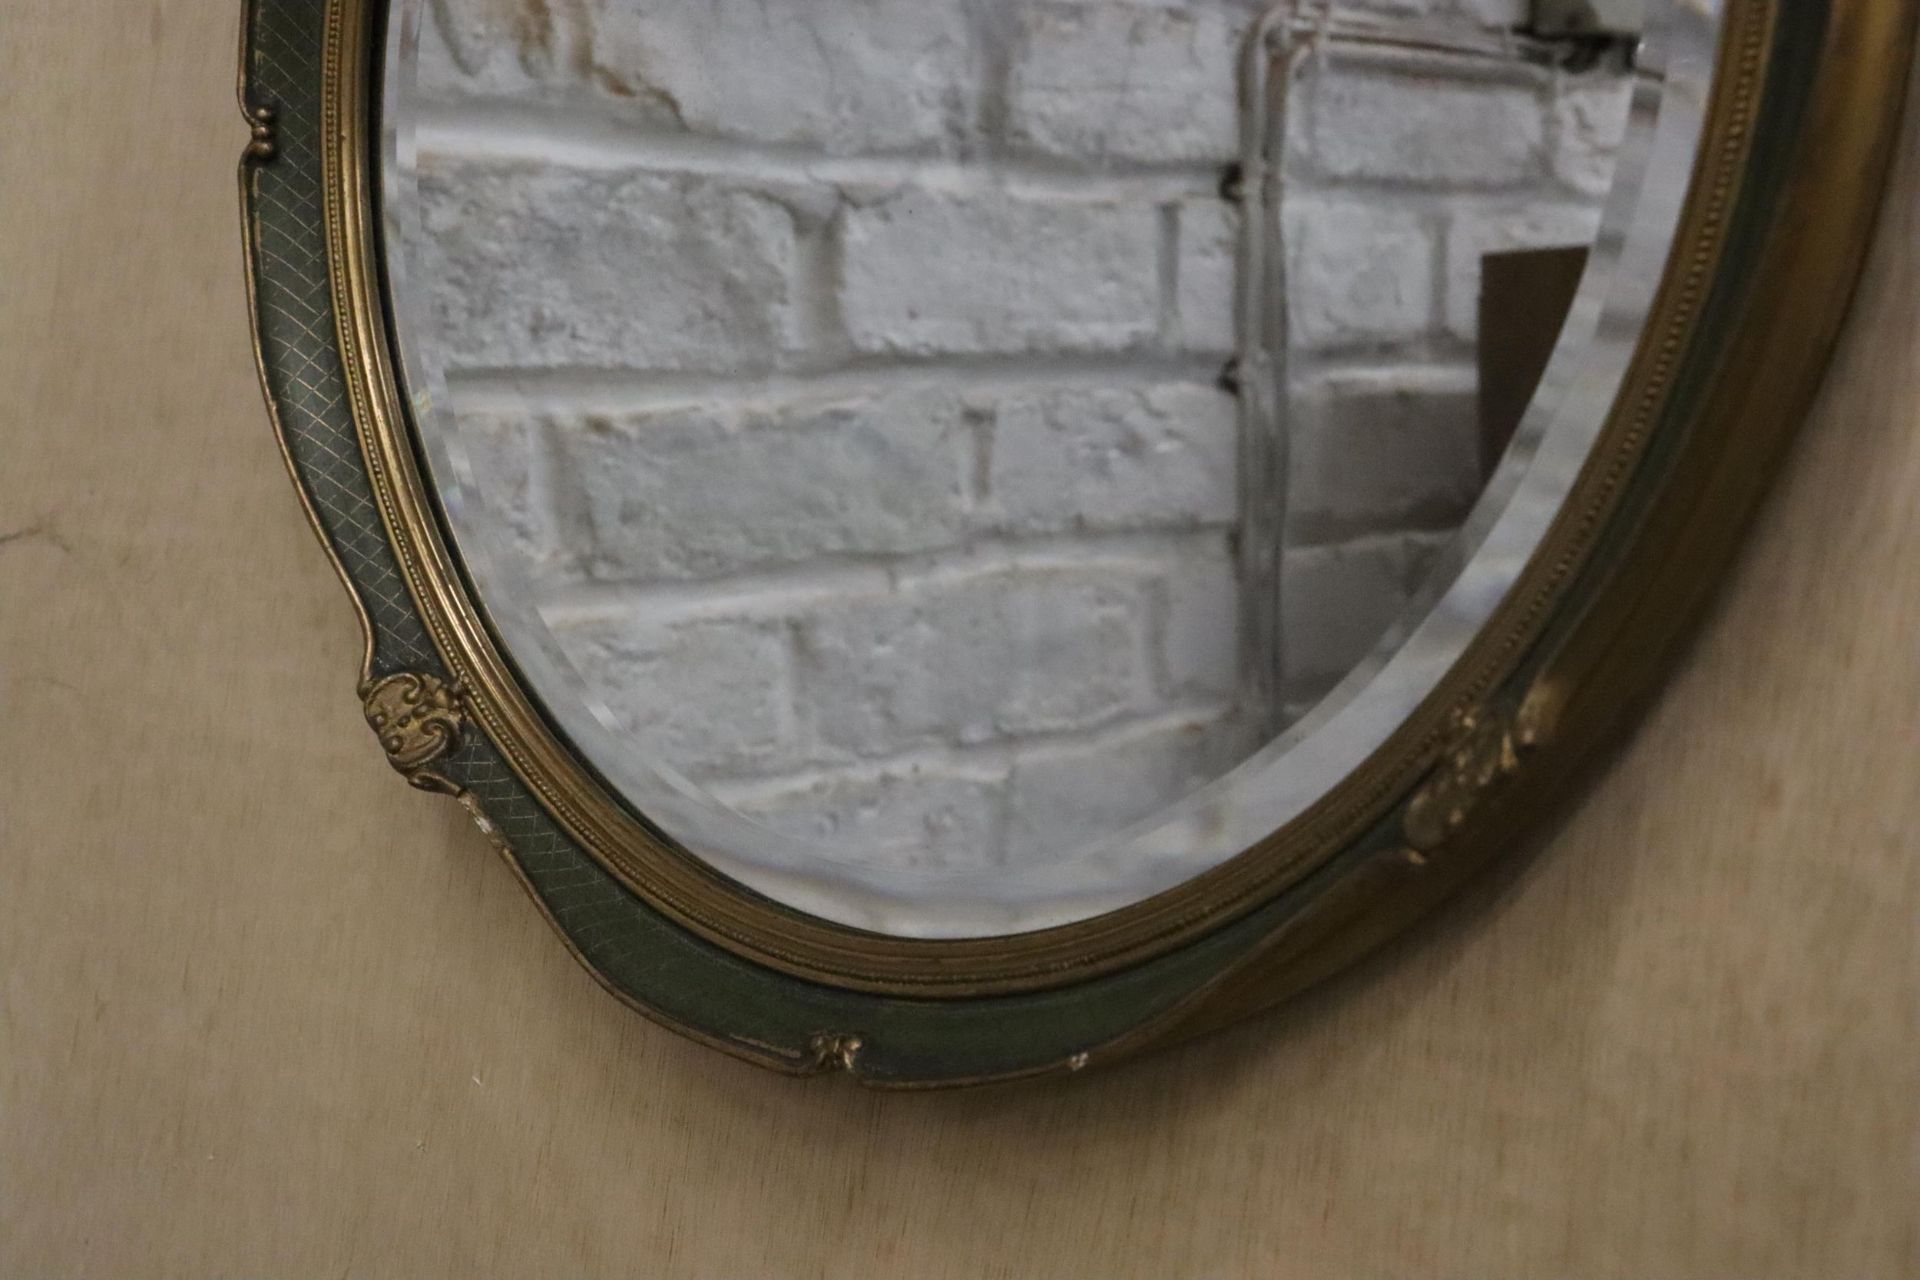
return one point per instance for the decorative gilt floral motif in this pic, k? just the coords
(263, 121)
(830, 1052)
(1485, 748)
(418, 719)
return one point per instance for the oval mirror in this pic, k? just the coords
(956, 540)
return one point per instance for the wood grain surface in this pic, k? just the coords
(264, 1012)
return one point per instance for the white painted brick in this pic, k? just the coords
(1360, 274)
(1061, 797)
(1094, 459)
(1096, 82)
(1225, 6)
(842, 75)
(1200, 629)
(916, 816)
(1475, 232)
(1503, 14)
(533, 267)
(975, 660)
(503, 48)
(1374, 124)
(926, 273)
(1209, 276)
(701, 696)
(1590, 121)
(500, 465)
(704, 492)
(1381, 449)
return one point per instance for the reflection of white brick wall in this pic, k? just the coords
(1403, 172)
(849, 369)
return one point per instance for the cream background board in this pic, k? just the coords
(265, 1012)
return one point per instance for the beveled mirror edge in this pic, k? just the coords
(1286, 938)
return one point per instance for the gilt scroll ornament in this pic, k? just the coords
(418, 719)
(1485, 749)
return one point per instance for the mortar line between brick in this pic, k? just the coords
(1360, 540)
(606, 391)
(497, 131)
(481, 131)
(1168, 269)
(776, 591)
(571, 390)
(982, 759)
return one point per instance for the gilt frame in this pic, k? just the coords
(1798, 136)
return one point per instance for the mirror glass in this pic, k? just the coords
(963, 466)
